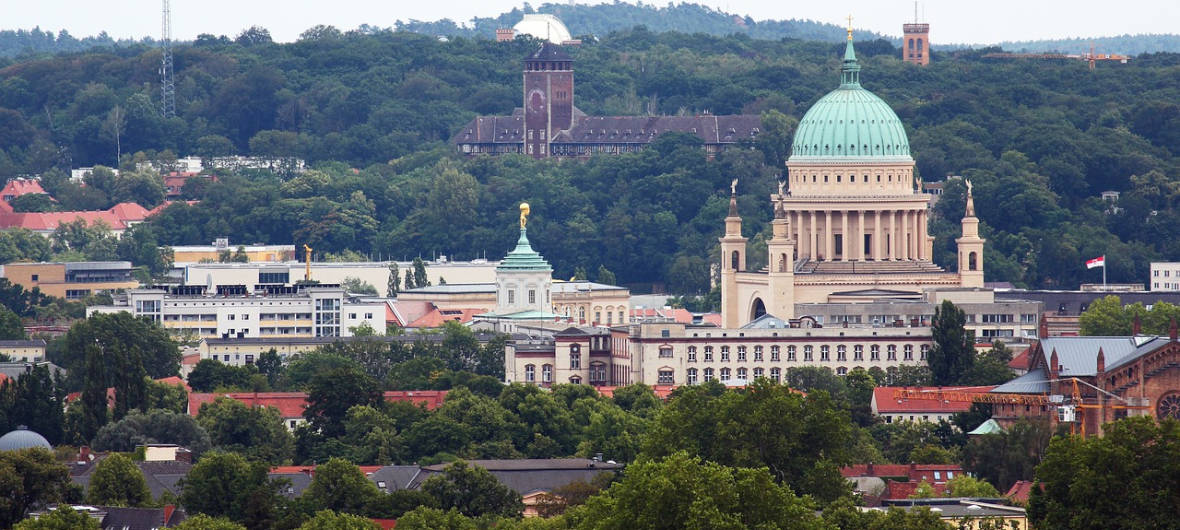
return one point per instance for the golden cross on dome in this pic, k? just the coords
(849, 27)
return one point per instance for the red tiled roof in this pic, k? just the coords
(166, 204)
(1020, 491)
(17, 187)
(129, 211)
(190, 359)
(886, 404)
(173, 381)
(292, 404)
(385, 524)
(879, 470)
(661, 391)
(712, 318)
(118, 217)
(111, 390)
(438, 317)
(409, 311)
(1020, 361)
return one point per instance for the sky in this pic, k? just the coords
(951, 21)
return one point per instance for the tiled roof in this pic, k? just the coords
(292, 404)
(17, 187)
(661, 391)
(118, 217)
(1020, 491)
(528, 475)
(886, 404)
(1034, 382)
(438, 317)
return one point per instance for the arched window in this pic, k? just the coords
(841, 353)
(910, 46)
(875, 352)
(841, 371)
(575, 359)
(708, 374)
(891, 352)
(919, 48)
(733, 260)
(782, 262)
(741, 354)
(971, 262)
(665, 351)
(759, 372)
(808, 353)
(776, 374)
(725, 375)
(741, 374)
(575, 379)
(692, 354)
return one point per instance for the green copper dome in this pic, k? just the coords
(850, 123)
(523, 257)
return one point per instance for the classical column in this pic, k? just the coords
(906, 236)
(830, 242)
(858, 244)
(893, 255)
(920, 235)
(797, 222)
(878, 238)
(845, 253)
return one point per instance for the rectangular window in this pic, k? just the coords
(708, 354)
(924, 351)
(692, 354)
(808, 353)
(530, 373)
(725, 354)
(511, 296)
(841, 353)
(776, 374)
(665, 377)
(791, 353)
(909, 352)
(741, 354)
(875, 352)
(825, 353)
(757, 353)
(891, 352)
(532, 296)
(858, 353)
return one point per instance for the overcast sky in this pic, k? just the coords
(952, 21)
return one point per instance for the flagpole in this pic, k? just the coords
(1104, 272)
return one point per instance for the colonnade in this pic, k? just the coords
(893, 234)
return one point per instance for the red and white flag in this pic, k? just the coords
(1100, 261)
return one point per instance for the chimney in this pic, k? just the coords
(1053, 365)
(1135, 326)
(1043, 328)
(1101, 361)
(869, 470)
(1172, 329)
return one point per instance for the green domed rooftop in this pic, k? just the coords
(850, 123)
(523, 257)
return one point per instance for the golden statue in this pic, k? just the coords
(524, 214)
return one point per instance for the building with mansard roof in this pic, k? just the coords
(548, 124)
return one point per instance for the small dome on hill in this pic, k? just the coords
(23, 438)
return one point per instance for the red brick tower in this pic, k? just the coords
(548, 97)
(915, 46)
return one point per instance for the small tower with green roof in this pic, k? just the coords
(523, 278)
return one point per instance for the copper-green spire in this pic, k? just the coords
(850, 70)
(523, 257)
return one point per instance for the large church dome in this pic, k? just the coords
(850, 123)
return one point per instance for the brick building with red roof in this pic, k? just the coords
(292, 404)
(891, 409)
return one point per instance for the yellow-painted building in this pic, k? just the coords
(26, 351)
(73, 280)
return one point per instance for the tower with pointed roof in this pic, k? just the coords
(970, 246)
(524, 278)
(733, 261)
(548, 97)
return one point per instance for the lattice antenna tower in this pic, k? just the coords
(167, 81)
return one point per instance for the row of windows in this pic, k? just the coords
(851, 178)
(597, 373)
(725, 375)
(825, 353)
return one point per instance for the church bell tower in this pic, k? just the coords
(733, 260)
(970, 246)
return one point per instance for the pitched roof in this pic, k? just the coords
(437, 317)
(395, 477)
(988, 427)
(118, 217)
(885, 403)
(1020, 491)
(1078, 356)
(1033, 382)
(533, 474)
(19, 186)
(292, 404)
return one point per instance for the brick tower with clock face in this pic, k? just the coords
(548, 98)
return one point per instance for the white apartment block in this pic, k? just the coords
(293, 312)
(1165, 276)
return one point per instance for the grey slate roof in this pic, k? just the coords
(529, 475)
(35, 343)
(395, 477)
(17, 369)
(138, 518)
(1033, 382)
(1146, 346)
(1078, 356)
(767, 321)
(549, 52)
(296, 483)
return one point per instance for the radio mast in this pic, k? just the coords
(167, 82)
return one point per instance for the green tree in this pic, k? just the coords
(270, 365)
(204, 522)
(33, 202)
(420, 278)
(605, 276)
(156, 426)
(340, 486)
(257, 433)
(953, 353)
(63, 518)
(330, 520)
(767, 425)
(686, 492)
(29, 479)
(129, 347)
(473, 491)
(428, 518)
(968, 486)
(226, 485)
(331, 394)
(775, 139)
(1128, 478)
(117, 482)
(1106, 317)
(393, 285)
(1004, 458)
(358, 286)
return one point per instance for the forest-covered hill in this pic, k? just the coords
(1039, 139)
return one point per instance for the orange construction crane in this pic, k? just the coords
(1090, 58)
(1071, 410)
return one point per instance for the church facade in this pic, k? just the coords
(548, 124)
(849, 222)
